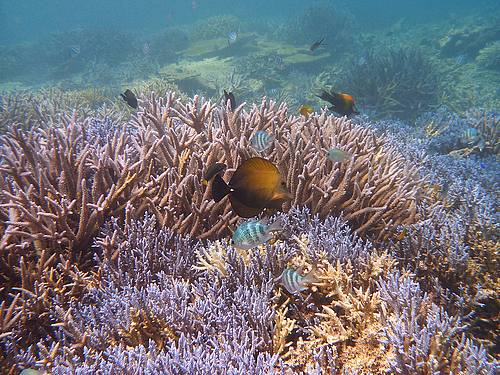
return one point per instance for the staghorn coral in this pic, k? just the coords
(319, 20)
(397, 83)
(360, 189)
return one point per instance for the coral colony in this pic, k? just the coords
(382, 256)
(114, 255)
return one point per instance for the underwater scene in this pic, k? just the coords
(288, 187)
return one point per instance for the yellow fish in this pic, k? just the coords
(305, 110)
(256, 184)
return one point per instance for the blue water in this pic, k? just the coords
(29, 20)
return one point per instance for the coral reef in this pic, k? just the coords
(397, 83)
(113, 253)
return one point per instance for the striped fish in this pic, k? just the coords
(74, 50)
(260, 141)
(294, 282)
(254, 233)
(278, 61)
(470, 136)
(232, 38)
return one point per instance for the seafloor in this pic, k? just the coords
(114, 258)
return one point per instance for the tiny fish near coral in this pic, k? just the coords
(261, 140)
(316, 45)
(232, 38)
(254, 233)
(232, 100)
(294, 282)
(337, 156)
(213, 170)
(130, 98)
(305, 110)
(343, 104)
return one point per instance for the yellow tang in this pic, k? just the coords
(256, 184)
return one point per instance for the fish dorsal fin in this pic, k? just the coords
(251, 166)
(242, 210)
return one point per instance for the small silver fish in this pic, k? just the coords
(316, 45)
(254, 233)
(232, 38)
(145, 48)
(294, 282)
(337, 156)
(260, 141)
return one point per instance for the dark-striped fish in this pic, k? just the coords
(254, 233)
(74, 50)
(232, 38)
(470, 136)
(278, 61)
(461, 60)
(294, 282)
(194, 4)
(145, 48)
(130, 98)
(256, 184)
(232, 101)
(260, 141)
(213, 170)
(343, 104)
(316, 45)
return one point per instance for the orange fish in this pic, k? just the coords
(256, 184)
(304, 110)
(343, 104)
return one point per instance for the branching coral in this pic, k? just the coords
(398, 83)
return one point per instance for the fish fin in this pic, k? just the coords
(242, 210)
(219, 188)
(251, 166)
(124, 97)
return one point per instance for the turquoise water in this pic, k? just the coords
(23, 21)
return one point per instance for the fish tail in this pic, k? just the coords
(271, 139)
(219, 188)
(277, 225)
(311, 277)
(326, 96)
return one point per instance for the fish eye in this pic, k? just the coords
(283, 183)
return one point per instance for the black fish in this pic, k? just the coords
(213, 170)
(343, 104)
(316, 45)
(232, 100)
(130, 98)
